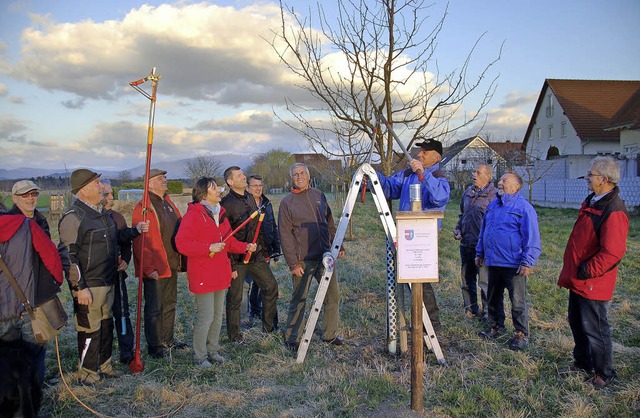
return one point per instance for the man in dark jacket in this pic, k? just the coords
(91, 239)
(306, 233)
(595, 248)
(472, 206)
(269, 230)
(124, 330)
(239, 205)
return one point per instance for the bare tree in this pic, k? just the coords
(533, 168)
(202, 166)
(125, 176)
(378, 56)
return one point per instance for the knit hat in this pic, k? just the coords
(80, 178)
(23, 186)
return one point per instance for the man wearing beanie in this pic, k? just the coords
(434, 189)
(90, 237)
(161, 265)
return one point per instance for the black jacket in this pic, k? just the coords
(237, 209)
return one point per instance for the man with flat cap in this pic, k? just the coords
(90, 237)
(434, 189)
(161, 265)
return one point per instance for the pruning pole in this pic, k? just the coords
(136, 366)
(247, 256)
(402, 147)
(239, 227)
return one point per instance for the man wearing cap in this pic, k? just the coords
(24, 194)
(161, 265)
(434, 193)
(91, 238)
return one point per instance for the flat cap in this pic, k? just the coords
(155, 172)
(23, 186)
(80, 178)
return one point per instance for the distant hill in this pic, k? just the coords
(175, 169)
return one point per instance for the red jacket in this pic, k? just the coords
(155, 256)
(196, 233)
(595, 248)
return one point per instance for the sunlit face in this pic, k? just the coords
(26, 202)
(508, 184)
(158, 185)
(237, 181)
(596, 182)
(255, 188)
(92, 192)
(428, 158)
(214, 194)
(301, 178)
(107, 196)
(481, 176)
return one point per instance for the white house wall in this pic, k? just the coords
(567, 144)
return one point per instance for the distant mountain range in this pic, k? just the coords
(175, 169)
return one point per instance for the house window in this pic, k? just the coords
(563, 129)
(550, 106)
(463, 162)
(489, 161)
(538, 133)
(550, 132)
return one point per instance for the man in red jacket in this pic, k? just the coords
(594, 250)
(161, 265)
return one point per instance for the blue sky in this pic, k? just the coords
(65, 68)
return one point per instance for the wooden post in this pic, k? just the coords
(417, 352)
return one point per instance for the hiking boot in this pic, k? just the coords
(88, 377)
(217, 358)
(204, 364)
(519, 341)
(598, 382)
(492, 333)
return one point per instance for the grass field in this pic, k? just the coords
(483, 379)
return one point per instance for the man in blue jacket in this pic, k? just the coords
(435, 196)
(509, 244)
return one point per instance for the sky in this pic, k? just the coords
(65, 68)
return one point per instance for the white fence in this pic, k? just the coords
(570, 193)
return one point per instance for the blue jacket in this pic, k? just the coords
(509, 236)
(435, 188)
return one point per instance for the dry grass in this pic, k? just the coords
(483, 379)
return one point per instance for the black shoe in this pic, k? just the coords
(491, 333)
(126, 359)
(292, 346)
(338, 340)
(158, 354)
(519, 341)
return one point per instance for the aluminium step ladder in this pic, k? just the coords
(331, 256)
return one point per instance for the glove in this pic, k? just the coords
(583, 273)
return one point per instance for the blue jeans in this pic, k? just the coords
(591, 335)
(501, 278)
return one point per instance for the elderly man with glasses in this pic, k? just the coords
(594, 250)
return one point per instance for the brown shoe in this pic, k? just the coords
(338, 340)
(598, 382)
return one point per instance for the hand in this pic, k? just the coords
(252, 247)
(216, 247)
(479, 261)
(234, 275)
(143, 227)
(524, 271)
(416, 166)
(122, 265)
(297, 271)
(457, 235)
(85, 297)
(154, 275)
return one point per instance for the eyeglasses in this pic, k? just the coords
(255, 185)
(301, 174)
(590, 174)
(33, 193)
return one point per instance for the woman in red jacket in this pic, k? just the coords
(200, 238)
